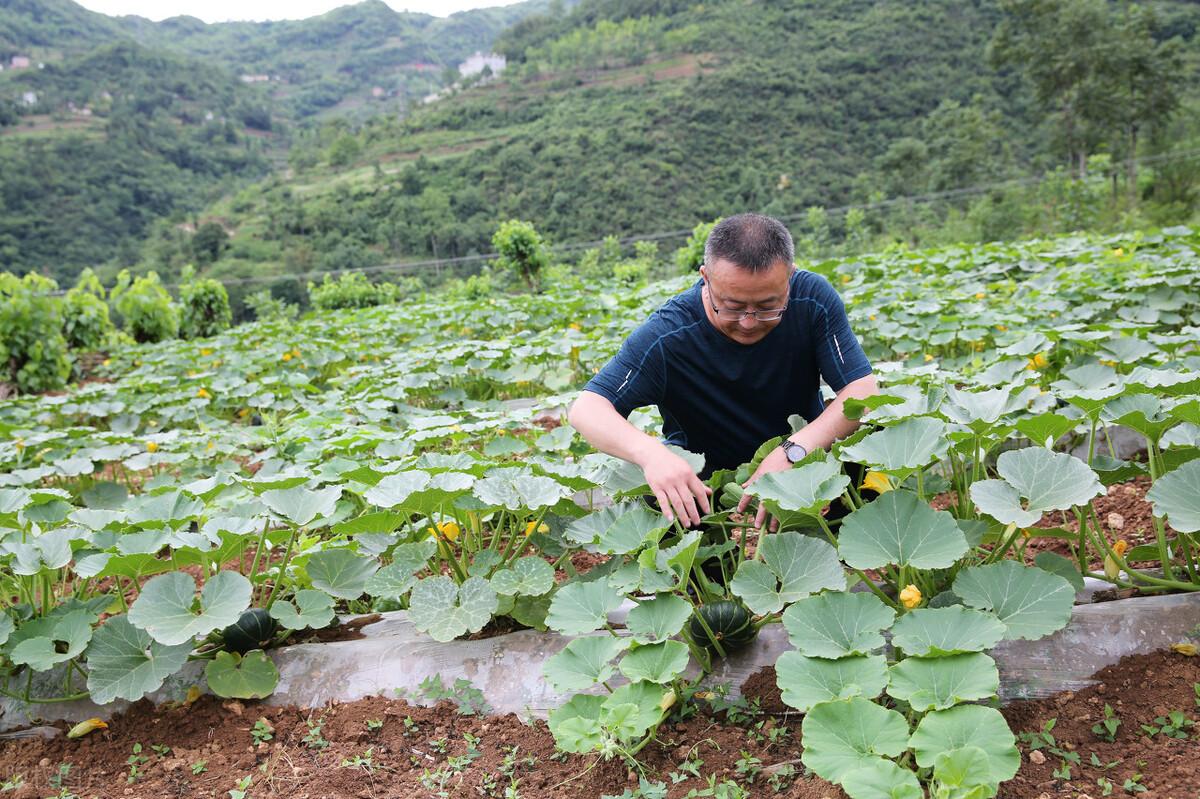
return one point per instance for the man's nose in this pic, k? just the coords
(748, 321)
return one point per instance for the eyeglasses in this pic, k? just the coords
(763, 315)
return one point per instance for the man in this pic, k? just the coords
(726, 362)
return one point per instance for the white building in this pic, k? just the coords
(29, 98)
(20, 62)
(475, 64)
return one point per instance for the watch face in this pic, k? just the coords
(794, 451)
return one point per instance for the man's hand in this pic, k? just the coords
(676, 487)
(776, 461)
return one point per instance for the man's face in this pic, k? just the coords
(730, 291)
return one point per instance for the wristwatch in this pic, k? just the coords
(794, 452)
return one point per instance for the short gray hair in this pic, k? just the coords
(753, 242)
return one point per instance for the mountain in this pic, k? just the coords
(109, 124)
(362, 58)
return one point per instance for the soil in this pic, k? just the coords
(403, 757)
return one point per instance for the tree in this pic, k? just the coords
(521, 249)
(1062, 46)
(690, 256)
(209, 241)
(1145, 76)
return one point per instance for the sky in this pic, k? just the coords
(225, 10)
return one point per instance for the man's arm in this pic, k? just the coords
(820, 433)
(678, 490)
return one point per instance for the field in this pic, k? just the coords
(207, 501)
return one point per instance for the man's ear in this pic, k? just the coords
(703, 274)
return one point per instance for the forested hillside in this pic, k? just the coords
(632, 116)
(621, 117)
(116, 123)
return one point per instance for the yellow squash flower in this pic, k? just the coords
(928, 357)
(203, 394)
(877, 482)
(152, 446)
(845, 278)
(542, 528)
(206, 352)
(1119, 252)
(910, 597)
(979, 295)
(1038, 361)
(1186, 648)
(447, 530)
(1111, 567)
(1001, 328)
(84, 727)
(575, 326)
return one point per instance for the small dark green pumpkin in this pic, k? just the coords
(731, 623)
(254, 629)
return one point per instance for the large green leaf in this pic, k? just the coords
(61, 639)
(618, 529)
(646, 699)
(1176, 495)
(309, 608)
(806, 681)
(340, 572)
(847, 735)
(942, 682)
(658, 663)
(658, 619)
(1030, 602)
(903, 447)
(837, 624)
(932, 632)
(1035, 480)
(393, 581)
(393, 490)
(126, 663)
(579, 608)
(793, 566)
(234, 676)
(576, 725)
(964, 773)
(584, 662)
(529, 576)
(300, 504)
(900, 529)
(445, 610)
(883, 779)
(804, 489)
(520, 492)
(967, 725)
(168, 610)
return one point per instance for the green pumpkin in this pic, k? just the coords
(254, 629)
(731, 624)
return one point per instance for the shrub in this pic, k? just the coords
(521, 250)
(351, 290)
(33, 350)
(205, 306)
(634, 271)
(267, 307)
(146, 309)
(690, 256)
(86, 322)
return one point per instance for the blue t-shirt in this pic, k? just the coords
(722, 398)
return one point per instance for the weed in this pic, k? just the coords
(748, 766)
(468, 699)
(1173, 725)
(262, 731)
(162, 750)
(364, 762)
(374, 725)
(136, 763)
(241, 787)
(60, 776)
(199, 767)
(14, 782)
(781, 776)
(1133, 785)
(1106, 786)
(410, 726)
(1107, 727)
(315, 738)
